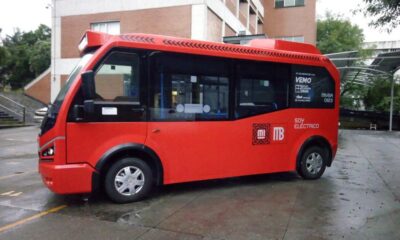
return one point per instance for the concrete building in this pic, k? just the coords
(292, 20)
(209, 20)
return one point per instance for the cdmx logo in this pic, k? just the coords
(261, 133)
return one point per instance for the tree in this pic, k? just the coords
(16, 67)
(26, 55)
(39, 59)
(377, 97)
(335, 34)
(338, 35)
(40, 55)
(352, 95)
(386, 13)
(3, 55)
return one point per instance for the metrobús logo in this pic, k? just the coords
(300, 123)
(279, 134)
(265, 133)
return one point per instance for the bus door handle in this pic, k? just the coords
(138, 109)
(156, 130)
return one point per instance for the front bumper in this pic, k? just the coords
(68, 178)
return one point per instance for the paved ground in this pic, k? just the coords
(357, 198)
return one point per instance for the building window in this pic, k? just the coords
(288, 3)
(299, 39)
(106, 27)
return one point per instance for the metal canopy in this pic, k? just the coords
(387, 62)
(356, 69)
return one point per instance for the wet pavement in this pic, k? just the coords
(357, 198)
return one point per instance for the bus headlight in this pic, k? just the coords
(48, 152)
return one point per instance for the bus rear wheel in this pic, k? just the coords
(313, 163)
(128, 180)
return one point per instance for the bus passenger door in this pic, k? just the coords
(119, 109)
(189, 115)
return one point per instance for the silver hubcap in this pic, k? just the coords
(129, 181)
(314, 163)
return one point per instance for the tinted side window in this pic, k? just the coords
(311, 87)
(117, 79)
(189, 87)
(261, 88)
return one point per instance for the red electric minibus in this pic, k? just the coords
(143, 110)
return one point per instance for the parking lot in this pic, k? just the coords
(357, 198)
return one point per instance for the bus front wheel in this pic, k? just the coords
(313, 163)
(128, 180)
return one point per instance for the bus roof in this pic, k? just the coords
(262, 47)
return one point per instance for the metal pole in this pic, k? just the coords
(391, 105)
(23, 115)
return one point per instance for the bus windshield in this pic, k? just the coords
(61, 95)
(54, 108)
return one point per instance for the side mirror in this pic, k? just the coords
(88, 107)
(88, 87)
(88, 92)
(77, 113)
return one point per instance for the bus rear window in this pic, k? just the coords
(311, 87)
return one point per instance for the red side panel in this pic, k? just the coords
(205, 150)
(87, 142)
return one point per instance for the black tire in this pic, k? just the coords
(134, 189)
(313, 169)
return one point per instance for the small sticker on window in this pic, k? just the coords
(193, 108)
(265, 83)
(180, 108)
(206, 108)
(193, 79)
(109, 111)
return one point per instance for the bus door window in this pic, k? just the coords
(118, 78)
(192, 88)
(119, 97)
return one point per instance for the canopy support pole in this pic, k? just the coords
(391, 105)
